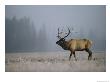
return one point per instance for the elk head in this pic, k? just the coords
(62, 41)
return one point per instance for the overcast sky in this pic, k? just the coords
(60, 15)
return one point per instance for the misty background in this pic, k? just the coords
(34, 27)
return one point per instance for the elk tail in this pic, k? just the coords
(89, 43)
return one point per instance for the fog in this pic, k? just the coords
(34, 28)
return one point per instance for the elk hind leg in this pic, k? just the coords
(90, 54)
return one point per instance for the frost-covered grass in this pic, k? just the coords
(54, 62)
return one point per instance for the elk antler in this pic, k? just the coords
(68, 33)
(58, 34)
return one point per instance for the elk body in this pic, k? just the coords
(75, 45)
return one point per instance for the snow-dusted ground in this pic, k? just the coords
(54, 62)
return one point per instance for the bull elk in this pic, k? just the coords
(75, 45)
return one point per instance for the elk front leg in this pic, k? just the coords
(75, 56)
(70, 56)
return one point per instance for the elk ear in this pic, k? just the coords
(63, 39)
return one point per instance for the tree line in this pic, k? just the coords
(21, 35)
